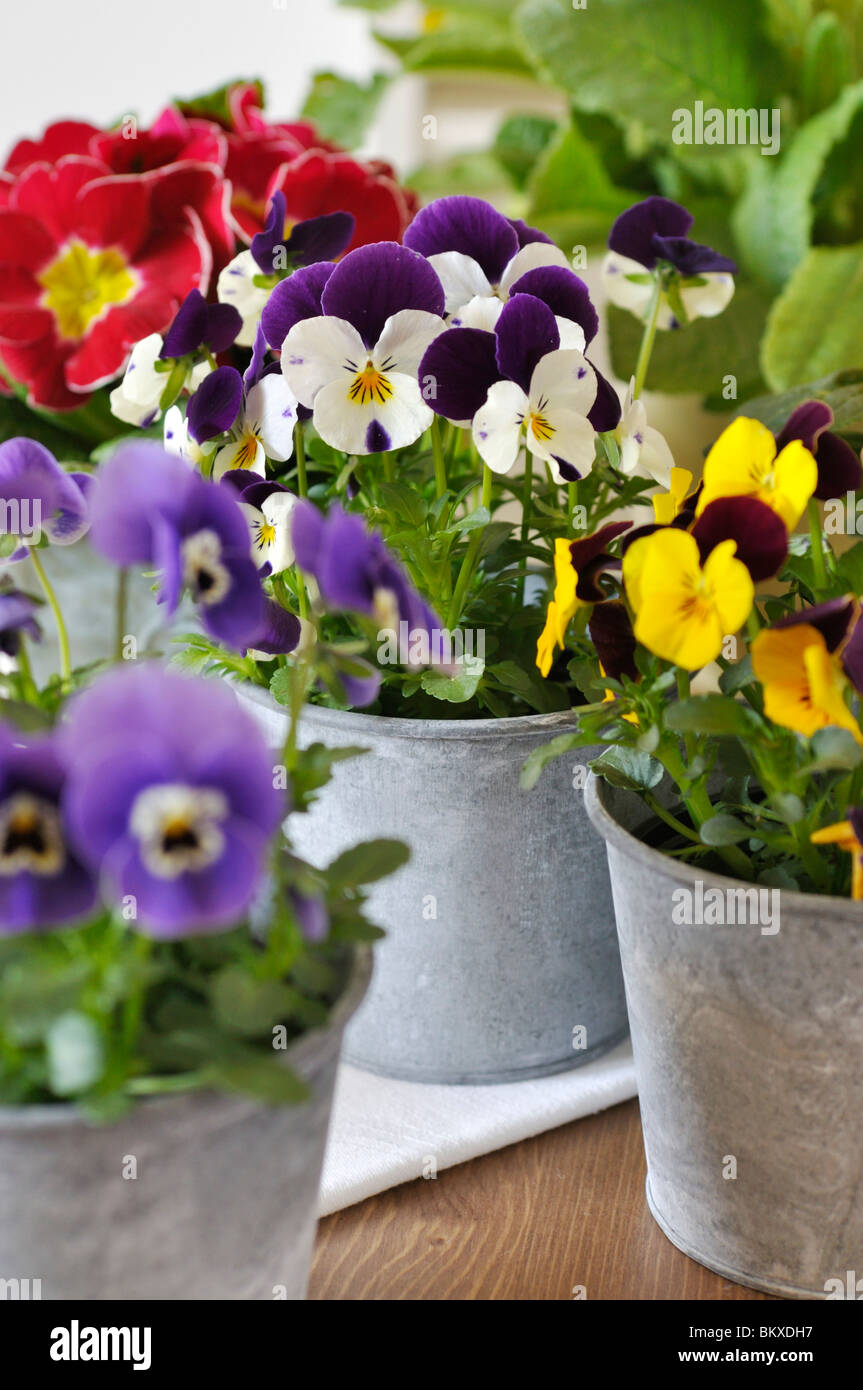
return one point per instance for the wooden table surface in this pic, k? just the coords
(537, 1220)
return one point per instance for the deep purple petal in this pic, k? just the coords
(839, 469)
(807, 422)
(527, 235)
(187, 331)
(374, 282)
(852, 656)
(526, 331)
(761, 535)
(223, 325)
(606, 410)
(215, 405)
(320, 238)
(457, 371)
(612, 635)
(263, 244)
(633, 232)
(468, 225)
(307, 535)
(855, 815)
(297, 298)
(565, 294)
(255, 369)
(590, 558)
(280, 632)
(832, 619)
(689, 257)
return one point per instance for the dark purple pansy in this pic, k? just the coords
(374, 282)
(354, 569)
(39, 497)
(606, 410)
(612, 635)
(527, 235)
(214, 407)
(655, 229)
(280, 632)
(590, 559)
(297, 298)
(470, 226)
(526, 331)
(43, 883)
(565, 294)
(171, 797)
(149, 508)
(317, 239)
(17, 618)
(198, 324)
(839, 469)
(457, 372)
(761, 535)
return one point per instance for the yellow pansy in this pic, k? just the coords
(666, 505)
(562, 608)
(843, 834)
(744, 463)
(683, 610)
(803, 683)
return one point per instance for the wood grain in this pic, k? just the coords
(532, 1221)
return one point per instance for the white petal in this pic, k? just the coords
(277, 510)
(271, 412)
(404, 339)
(483, 311)
(564, 379)
(497, 426)
(197, 374)
(656, 457)
(136, 400)
(319, 351)
(571, 334)
(573, 439)
(626, 294)
(461, 276)
(236, 286)
(530, 257)
(346, 424)
(708, 300)
(177, 439)
(238, 454)
(257, 524)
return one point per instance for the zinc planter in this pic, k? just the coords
(222, 1204)
(748, 1045)
(500, 960)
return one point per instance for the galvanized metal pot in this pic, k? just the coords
(500, 960)
(202, 1196)
(748, 1045)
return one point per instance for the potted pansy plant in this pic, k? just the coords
(174, 977)
(414, 429)
(720, 651)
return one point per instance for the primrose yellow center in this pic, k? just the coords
(542, 430)
(370, 386)
(81, 283)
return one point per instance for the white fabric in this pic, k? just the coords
(384, 1132)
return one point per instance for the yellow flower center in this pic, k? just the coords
(81, 283)
(542, 430)
(265, 535)
(370, 385)
(247, 450)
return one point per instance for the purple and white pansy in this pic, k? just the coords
(40, 499)
(649, 251)
(258, 411)
(643, 450)
(355, 363)
(268, 508)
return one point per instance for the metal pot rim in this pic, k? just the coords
(384, 726)
(595, 794)
(28, 1118)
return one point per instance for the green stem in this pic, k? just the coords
(647, 340)
(156, 1085)
(526, 514)
(120, 601)
(389, 464)
(300, 450)
(468, 566)
(697, 802)
(815, 535)
(62, 635)
(439, 460)
(29, 689)
(659, 810)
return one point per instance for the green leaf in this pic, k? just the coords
(315, 768)
(75, 1054)
(724, 830)
(788, 807)
(366, 863)
(842, 391)
(214, 105)
(572, 197)
(480, 516)
(458, 688)
(265, 1078)
(851, 567)
(467, 41)
(405, 502)
(341, 109)
(814, 326)
(735, 677)
(718, 715)
(828, 63)
(539, 759)
(833, 750)
(639, 63)
(519, 143)
(248, 1006)
(628, 768)
(773, 220)
(33, 997)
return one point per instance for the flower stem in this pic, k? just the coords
(29, 689)
(62, 635)
(648, 337)
(300, 449)
(468, 566)
(820, 573)
(526, 514)
(439, 460)
(121, 599)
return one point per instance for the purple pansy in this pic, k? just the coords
(39, 497)
(317, 239)
(215, 405)
(839, 469)
(43, 883)
(258, 410)
(517, 386)
(198, 325)
(760, 533)
(150, 509)
(355, 571)
(280, 633)
(649, 235)
(17, 617)
(171, 797)
(355, 364)
(268, 508)
(611, 632)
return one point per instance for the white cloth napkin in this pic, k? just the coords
(384, 1132)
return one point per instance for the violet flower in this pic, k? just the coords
(258, 409)
(17, 617)
(39, 498)
(198, 325)
(649, 236)
(839, 470)
(316, 239)
(268, 508)
(43, 883)
(170, 797)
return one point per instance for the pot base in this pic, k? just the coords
(748, 1281)
(495, 1078)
